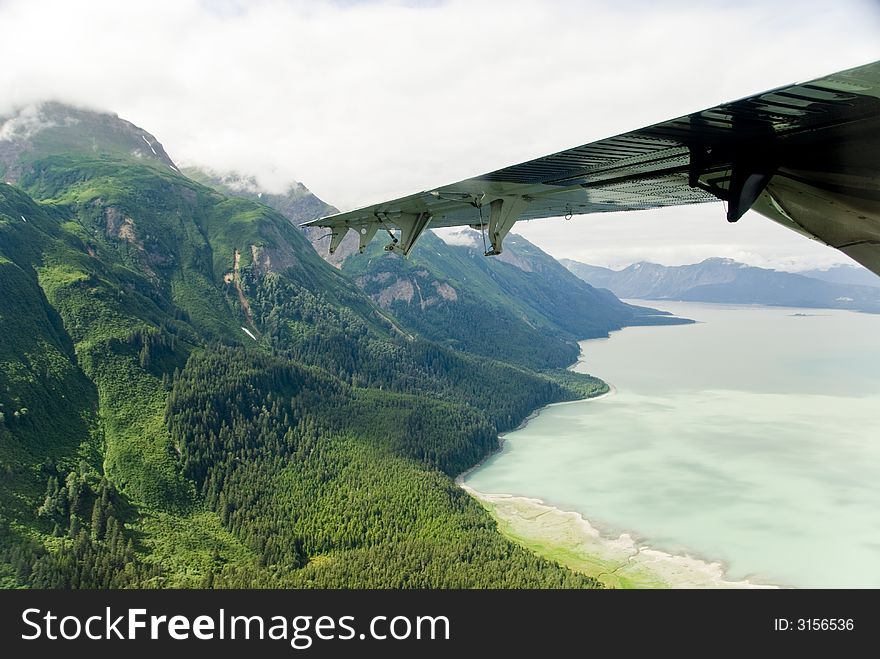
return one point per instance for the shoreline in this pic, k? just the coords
(459, 480)
(568, 538)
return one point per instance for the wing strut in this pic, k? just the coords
(411, 227)
(365, 234)
(336, 236)
(503, 214)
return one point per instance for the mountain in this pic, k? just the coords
(296, 203)
(54, 128)
(654, 281)
(593, 274)
(726, 281)
(842, 273)
(521, 305)
(190, 396)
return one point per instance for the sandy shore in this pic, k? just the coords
(568, 538)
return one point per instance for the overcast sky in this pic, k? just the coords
(363, 101)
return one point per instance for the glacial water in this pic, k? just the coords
(750, 438)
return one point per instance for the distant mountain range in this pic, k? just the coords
(845, 274)
(728, 281)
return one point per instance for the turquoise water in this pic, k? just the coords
(752, 437)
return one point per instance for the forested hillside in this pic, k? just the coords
(521, 306)
(190, 396)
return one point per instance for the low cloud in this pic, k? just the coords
(28, 121)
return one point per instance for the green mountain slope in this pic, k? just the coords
(193, 397)
(521, 306)
(41, 382)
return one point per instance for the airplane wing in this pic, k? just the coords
(805, 155)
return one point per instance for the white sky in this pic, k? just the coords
(362, 101)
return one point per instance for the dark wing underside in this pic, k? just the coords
(805, 155)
